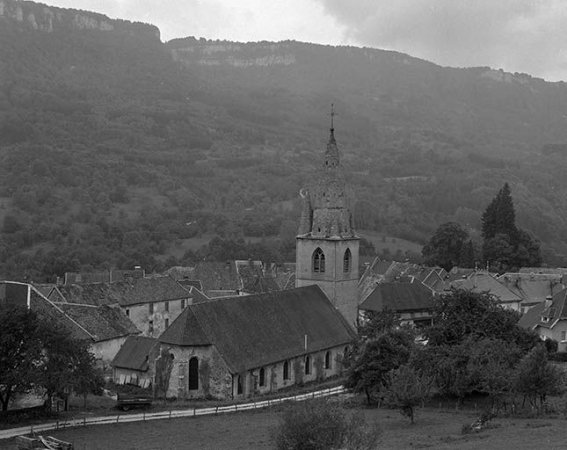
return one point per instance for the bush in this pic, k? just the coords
(321, 425)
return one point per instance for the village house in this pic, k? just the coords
(549, 319)
(104, 327)
(152, 304)
(248, 345)
(411, 301)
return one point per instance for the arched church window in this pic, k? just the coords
(307, 365)
(328, 360)
(286, 370)
(347, 261)
(262, 377)
(318, 261)
(193, 374)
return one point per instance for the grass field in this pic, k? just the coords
(434, 429)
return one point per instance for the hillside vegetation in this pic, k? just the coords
(116, 147)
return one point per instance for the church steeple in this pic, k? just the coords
(330, 215)
(327, 248)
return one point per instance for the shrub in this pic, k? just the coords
(320, 425)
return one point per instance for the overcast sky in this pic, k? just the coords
(527, 36)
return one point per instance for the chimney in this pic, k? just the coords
(548, 301)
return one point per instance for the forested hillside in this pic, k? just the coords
(115, 147)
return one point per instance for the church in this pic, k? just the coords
(243, 346)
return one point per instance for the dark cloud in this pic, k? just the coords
(516, 35)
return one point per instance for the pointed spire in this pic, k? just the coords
(333, 114)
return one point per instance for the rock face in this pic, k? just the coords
(48, 19)
(191, 51)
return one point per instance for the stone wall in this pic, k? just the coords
(341, 287)
(160, 318)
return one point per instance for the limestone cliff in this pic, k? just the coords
(36, 16)
(191, 51)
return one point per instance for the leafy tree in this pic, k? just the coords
(445, 246)
(406, 389)
(319, 425)
(460, 314)
(371, 360)
(37, 353)
(20, 350)
(66, 365)
(376, 323)
(504, 245)
(536, 377)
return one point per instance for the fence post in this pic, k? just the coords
(217, 411)
(194, 412)
(117, 418)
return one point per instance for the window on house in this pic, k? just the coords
(318, 261)
(166, 323)
(286, 370)
(166, 306)
(239, 385)
(328, 360)
(262, 377)
(307, 365)
(563, 336)
(347, 261)
(346, 350)
(151, 307)
(151, 326)
(183, 304)
(127, 313)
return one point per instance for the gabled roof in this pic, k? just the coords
(256, 330)
(187, 284)
(134, 353)
(125, 293)
(102, 322)
(400, 297)
(217, 275)
(482, 282)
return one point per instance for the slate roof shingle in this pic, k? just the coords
(255, 330)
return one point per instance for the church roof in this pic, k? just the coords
(256, 330)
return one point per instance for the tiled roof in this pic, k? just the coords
(124, 293)
(102, 322)
(532, 288)
(134, 353)
(482, 282)
(399, 297)
(256, 330)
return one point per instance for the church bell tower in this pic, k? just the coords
(327, 246)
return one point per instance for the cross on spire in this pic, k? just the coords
(333, 114)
